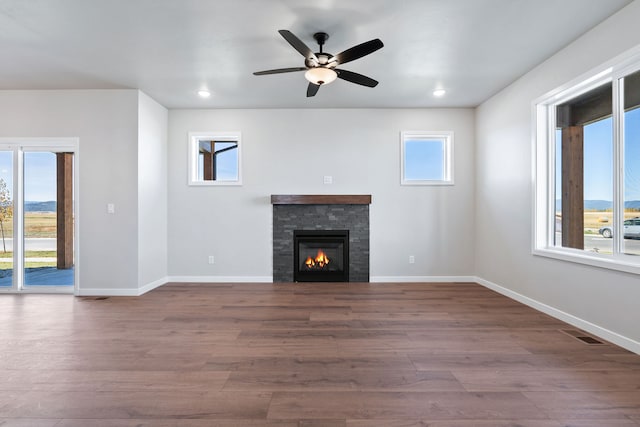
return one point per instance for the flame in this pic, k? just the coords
(321, 258)
(319, 261)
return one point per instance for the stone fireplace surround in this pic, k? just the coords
(320, 212)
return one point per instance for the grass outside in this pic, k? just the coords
(8, 264)
(28, 264)
(30, 254)
(37, 225)
(6, 259)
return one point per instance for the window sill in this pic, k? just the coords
(214, 183)
(426, 183)
(599, 261)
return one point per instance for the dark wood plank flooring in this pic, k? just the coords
(314, 355)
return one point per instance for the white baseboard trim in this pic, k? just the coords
(220, 279)
(107, 292)
(417, 279)
(83, 292)
(151, 286)
(585, 325)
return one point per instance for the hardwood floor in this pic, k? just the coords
(314, 355)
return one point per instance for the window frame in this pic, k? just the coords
(193, 151)
(447, 160)
(543, 165)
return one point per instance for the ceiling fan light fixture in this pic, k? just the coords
(320, 75)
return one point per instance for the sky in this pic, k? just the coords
(227, 165)
(424, 159)
(598, 159)
(39, 172)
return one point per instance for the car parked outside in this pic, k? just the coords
(631, 229)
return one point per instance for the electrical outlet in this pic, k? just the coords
(328, 179)
(212, 260)
(412, 259)
(111, 208)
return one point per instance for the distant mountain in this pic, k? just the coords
(40, 206)
(602, 205)
(635, 204)
(598, 205)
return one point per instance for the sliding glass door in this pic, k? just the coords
(38, 217)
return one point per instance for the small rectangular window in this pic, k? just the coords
(214, 158)
(427, 158)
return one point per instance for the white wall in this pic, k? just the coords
(602, 300)
(289, 152)
(105, 121)
(152, 193)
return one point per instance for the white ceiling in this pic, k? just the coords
(171, 48)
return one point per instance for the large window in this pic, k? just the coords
(587, 170)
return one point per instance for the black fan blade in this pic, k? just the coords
(356, 78)
(358, 51)
(279, 70)
(298, 45)
(312, 89)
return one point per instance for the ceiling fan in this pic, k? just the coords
(321, 67)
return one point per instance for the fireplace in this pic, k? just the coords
(321, 255)
(327, 213)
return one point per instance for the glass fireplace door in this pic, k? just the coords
(321, 256)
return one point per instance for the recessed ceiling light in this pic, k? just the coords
(439, 92)
(204, 93)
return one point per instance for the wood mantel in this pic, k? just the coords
(321, 199)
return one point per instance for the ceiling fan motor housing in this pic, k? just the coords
(324, 60)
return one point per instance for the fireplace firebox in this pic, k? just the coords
(321, 255)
